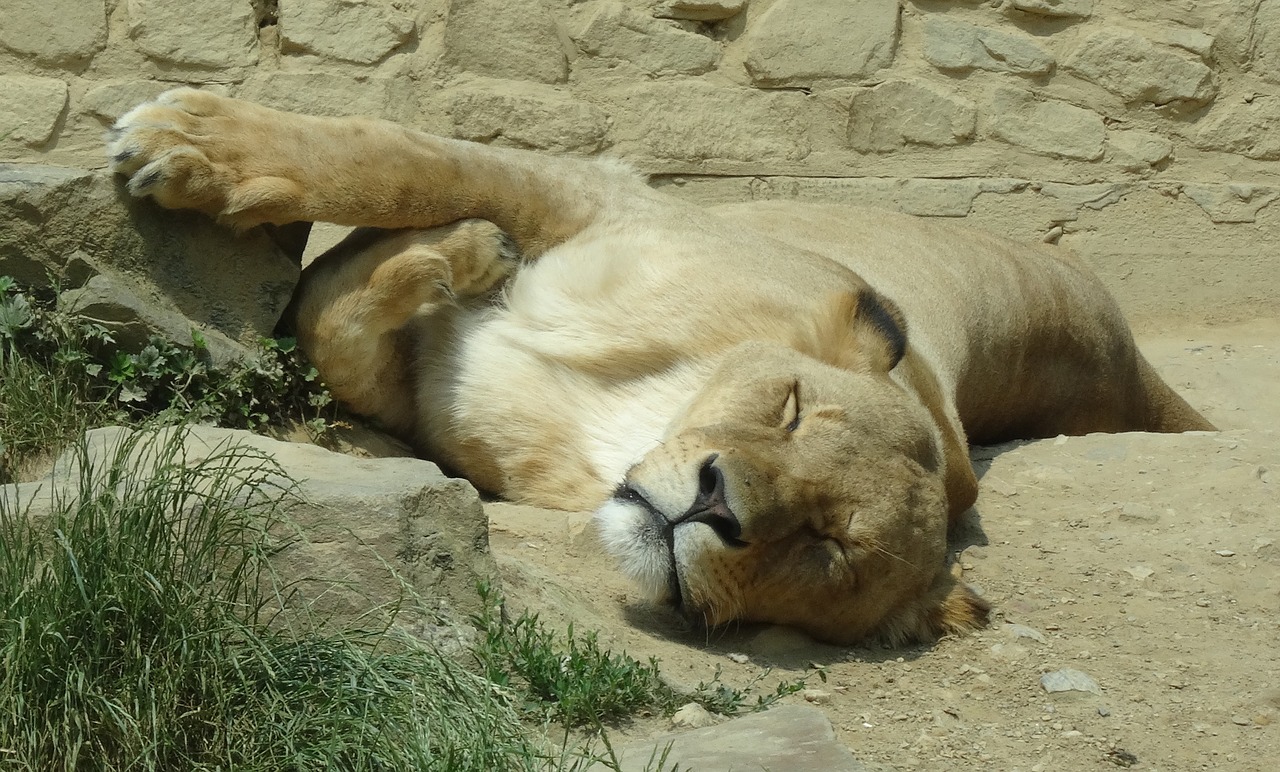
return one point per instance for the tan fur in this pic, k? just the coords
(769, 405)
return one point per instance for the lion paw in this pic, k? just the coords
(191, 149)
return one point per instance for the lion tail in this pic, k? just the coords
(1166, 410)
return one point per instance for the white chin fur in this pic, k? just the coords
(630, 536)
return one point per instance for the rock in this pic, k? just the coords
(1265, 36)
(1247, 129)
(132, 320)
(897, 112)
(1225, 553)
(699, 10)
(514, 39)
(57, 32)
(739, 659)
(617, 32)
(360, 31)
(1046, 127)
(322, 93)
(804, 42)
(1022, 631)
(367, 524)
(1079, 9)
(526, 115)
(77, 224)
(797, 738)
(1195, 41)
(816, 696)
(197, 33)
(112, 99)
(30, 109)
(1140, 573)
(1068, 680)
(955, 45)
(1237, 202)
(685, 120)
(693, 716)
(1138, 70)
(1137, 150)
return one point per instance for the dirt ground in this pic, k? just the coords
(1151, 563)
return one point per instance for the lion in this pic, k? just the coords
(768, 405)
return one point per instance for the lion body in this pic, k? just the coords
(768, 404)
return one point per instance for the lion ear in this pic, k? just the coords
(950, 607)
(861, 331)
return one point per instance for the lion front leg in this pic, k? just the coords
(360, 307)
(246, 164)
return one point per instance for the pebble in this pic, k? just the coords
(1022, 631)
(1104, 712)
(693, 716)
(1241, 721)
(1140, 573)
(1068, 680)
(816, 696)
(1224, 553)
(740, 659)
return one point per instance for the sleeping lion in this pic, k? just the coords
(768, 406)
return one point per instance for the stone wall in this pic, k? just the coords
(1146, 135)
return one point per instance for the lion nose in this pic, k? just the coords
(709, 506)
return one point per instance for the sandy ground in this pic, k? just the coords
(1151, 563)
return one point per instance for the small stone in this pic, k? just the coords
(699, 10)
(528, 115)
(1059, 8)
(1241, 721)
(211, 34)
(956, 45)
(1137, 150)
(1203, 603)
(517, 39)
(349, 30)
(1104, 711)
(740, 659)
(1140, 573)
(1047, 127)
(883, 118)
(1068, 680)
(1022, 631)
(693, 716)
(54, 31)
(658, 47)
(1138, 70)
(30, 109)
(816, 696)
(803, 42)
(1224, 553)
(1246, 128)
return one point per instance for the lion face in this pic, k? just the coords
(795, 492)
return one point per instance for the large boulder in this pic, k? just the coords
(361, 533)
(163, 270)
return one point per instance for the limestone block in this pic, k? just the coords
(1235, 202)
(30, 109)
(197, 33)
(1065, 8)
(692, 120)
(527, 115)
(514, 39)
(797, 738)
(1195, 41)
(54, 31)
(181, 262)
(956, 45)
(319, 93)
(615, 31)
(1046, 127)
(699, 10)
(1138, 70)
(361, 31)
(1266, 41)
(802, 42)
(883, 118)
(366, 523)
(1137, 150)
(113, 99)
(1248, 129)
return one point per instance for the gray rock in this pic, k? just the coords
(1137, 150)
(1068, 680)
(955, 45)
(1138, 70)
(807, 42)
(195, 33)
(699, 10)
(30, 109)
(515, 39)
(77, 224)
(375, 526)
(1060, 8)
(1246, 128)
(57, 32)
(657, 47)
(1236, 202)
(797, 738)
(897, 112)
(1046, 127)
(686, 120)
(360, 31)
(526, 115)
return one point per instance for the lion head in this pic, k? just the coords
(802, 486)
